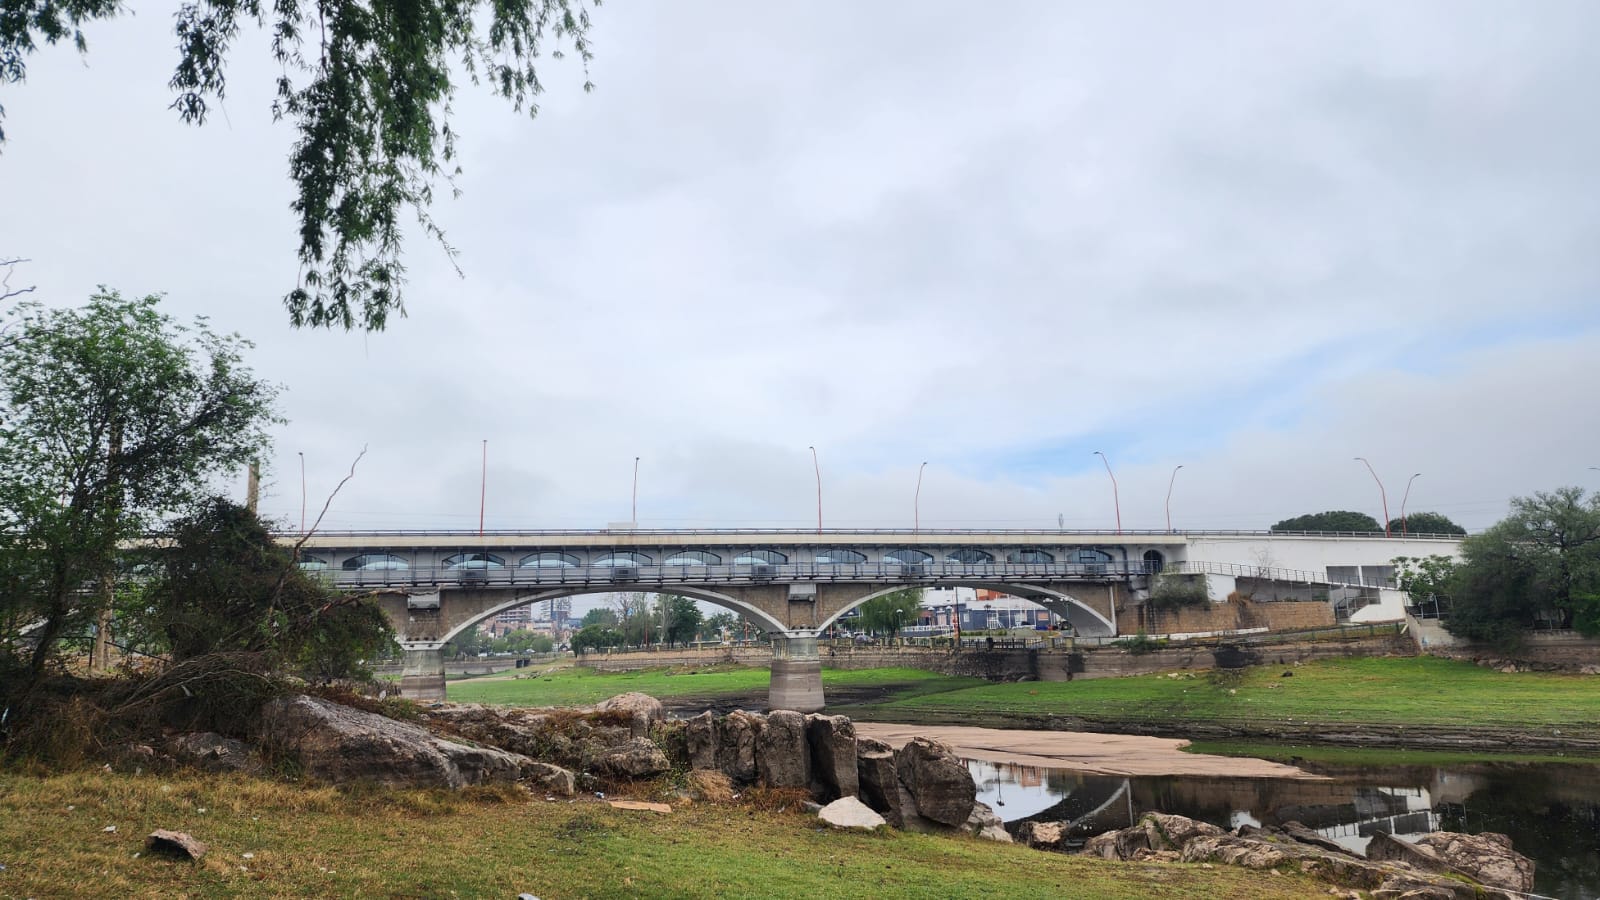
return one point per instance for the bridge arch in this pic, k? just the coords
(1085, 619)
(733, 604)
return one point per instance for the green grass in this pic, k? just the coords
(316, 841)
(1409, 691)
(578, 686)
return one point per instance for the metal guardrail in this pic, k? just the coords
(465, 535)
(1270, 573)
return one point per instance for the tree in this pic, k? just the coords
(1539, 564)
(1427, 580)
(681, 618)
(595, 637)
(1333, 520)
(718, 626)
(598, 616)
(112, 418)
(891, 612)
(1425, 523)
(370, 102)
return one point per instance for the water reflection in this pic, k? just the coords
(1551, 813)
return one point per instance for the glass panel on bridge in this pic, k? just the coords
(839, 557)
(1089, 556)
(622, 558)
(474, 561)
(907, 556)
(1029, 555)
(371, 561)
(970, 557)
(693, 558)
(549, 559)
(1154, 562)
(312, 563)
(760, 558)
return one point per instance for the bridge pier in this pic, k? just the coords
(422, 673)
(796, 673)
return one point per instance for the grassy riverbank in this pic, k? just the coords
(314, 841)
(577, 686)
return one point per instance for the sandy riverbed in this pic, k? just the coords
(1099, 754)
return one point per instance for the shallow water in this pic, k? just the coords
(1550, 812)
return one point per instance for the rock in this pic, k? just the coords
(1172, 832)
(174, 843)
(985, 824)
(1306, 836)
(783, 758)
(1042, 835)
(1589, 670)
(138, 758)
(1124, 843)
(637, 758)
(643, 708)
(214, 753)
(1486, 857)
(549, 778)
(941, 786)
(1388, 848)
(700, 740)
(878, 783)
(736, 745)
(832, 741)
(336, 743)
(850, 812)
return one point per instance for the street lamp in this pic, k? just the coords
(916, 503)
(1115, 500)
(1403, 500)
(1381, 493)
(483, 486)
(635, 518)
(1169, 496)
(818, 466)
(302, 490)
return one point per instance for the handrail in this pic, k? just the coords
(1270, 573)
(467, 534)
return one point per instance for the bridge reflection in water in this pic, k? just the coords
(1550, 812)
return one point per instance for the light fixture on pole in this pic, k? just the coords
(916, 502)
(635, 516)
(1169, 496)
(1115, 500)
(483, 486)
(302, 490)
(818, 466)
(1381, 493)
(1403, 500)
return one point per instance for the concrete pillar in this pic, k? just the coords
(796, 673)
(422, 673)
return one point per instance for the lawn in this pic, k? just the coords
(1418, 690)
(577, 686)
(306, 841)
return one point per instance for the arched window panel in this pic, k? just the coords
(1154, 561)
(622, 558)
(760, 558)
(549, 559)
(839, 557)
(1089, 556)
(311, 563)
(474, 561)
(908, 556)
(1030, 555)
(368, 562)
(970, 557)
(692, 558)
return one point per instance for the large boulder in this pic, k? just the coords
(832, 740)
(550, 778)
(881, 789)
(214, 753)
(986, 824)
(736, 745)
(937, 780)
(637, 758)
(337, 743)
(642, 710)
(783, 757)
(1486, 857)
(1043, 835)
(850, 812)
(700, 741)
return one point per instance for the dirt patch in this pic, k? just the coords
(1099, 754)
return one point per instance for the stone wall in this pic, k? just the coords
(1230, 615)
(1550, 651)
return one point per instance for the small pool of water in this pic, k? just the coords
(1550, 812)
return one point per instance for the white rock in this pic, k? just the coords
(850, 812)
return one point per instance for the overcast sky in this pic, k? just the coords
(1256, 240)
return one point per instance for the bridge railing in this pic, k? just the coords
(465, 538)
(1272, 573)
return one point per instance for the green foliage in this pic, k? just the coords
(596, 637)
(891, 612)
(1333, 520)
(718, 624)
(368, 88)
(680, 616)
(1426, 579)
(1425, 523)
(1178, 591)
(1140, 644)
(598, 616)
(1541, 564)
(224, 585)
(112, 417)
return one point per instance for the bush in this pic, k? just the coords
(1178, 591)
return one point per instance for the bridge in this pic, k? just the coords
(796, 583)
